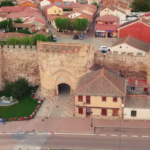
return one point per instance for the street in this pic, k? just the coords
(104, 139)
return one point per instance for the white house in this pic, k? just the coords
(44, 3)
(121, 15)
(130, 44)
(137, 107)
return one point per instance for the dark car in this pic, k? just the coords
(75, 37)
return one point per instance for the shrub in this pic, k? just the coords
(40, 37)
(18, 21)
(25, 31)
(17, 88)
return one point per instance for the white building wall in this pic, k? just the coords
(44, 3)
(141, 114)
(122, 16)
(126, 48)
(106, 11)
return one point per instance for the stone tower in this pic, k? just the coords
(62, 63)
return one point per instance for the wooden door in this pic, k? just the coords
(104, 112)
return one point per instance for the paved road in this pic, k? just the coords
(105, 139)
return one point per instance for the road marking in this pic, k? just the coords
(114, 135)
(134, 136)
(73, 133)
(102, 134)
(124, 135)
(145, 136)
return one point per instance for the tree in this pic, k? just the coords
(18, 21)
(13, 41)
(10, 25)
(6, 3)
(4, 25)
(25, 31)
(140, 6)
(96, 4)
(40, 37)
(62, 23)
(80, 24)
(17, 88)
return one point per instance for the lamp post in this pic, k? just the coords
(91, 119)
(122, 106)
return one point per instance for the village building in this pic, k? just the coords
(27, 3)
(101, 92)
(106, 26)
(130, 45)
(137, 107)
(138, 87)
(139, 28)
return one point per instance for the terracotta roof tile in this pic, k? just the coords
(107, 18)
(102, 82)
(134, 42)
(133, 101)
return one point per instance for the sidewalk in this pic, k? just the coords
(68, 125)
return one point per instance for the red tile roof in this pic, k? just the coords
(107, 18)
(53, 1)
(102, 82)
(138, 83)
(106, 27)
(7, 9)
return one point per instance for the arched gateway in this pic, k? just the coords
(61, 65)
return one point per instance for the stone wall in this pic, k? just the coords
(128, 65)
(62, 63)
(20, 62)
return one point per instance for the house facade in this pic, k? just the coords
(135, 27)
(106, 26)
(100, 93)
(130, 45)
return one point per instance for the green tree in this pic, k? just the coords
(140, 6)
(10, 25)
(96, 4)
(25, 31)
(40, 37)
(4, 25)
(13, 41)
(6, 3)
(62, 23)
(18, 21)
(17, 88)
(80, 24)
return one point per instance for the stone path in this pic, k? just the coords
(69, 109)
(60, 105)
(47, 107)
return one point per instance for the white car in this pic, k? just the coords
(104, 49)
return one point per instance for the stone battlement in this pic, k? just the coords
(18, 47)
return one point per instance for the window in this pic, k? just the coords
(106, 23)
(104, 112)
(111, 23)
(103, 98)
(120, 46)
(132, 88)
(87, 99)
(80, 98)
(133, 113)
(145, 89)
(80, 111)
(60, 11)
(115, 99)
(115, 112)
(54, 11)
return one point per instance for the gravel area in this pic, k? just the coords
(47, 107)
(69, 110)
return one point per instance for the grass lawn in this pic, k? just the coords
(23, 108)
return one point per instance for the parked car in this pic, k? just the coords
(104, 49)
(54, 38)
(81, 37)
(75, 37)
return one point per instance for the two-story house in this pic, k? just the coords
(100, 93)
(107, 26)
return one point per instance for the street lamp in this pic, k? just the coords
(91, 119)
